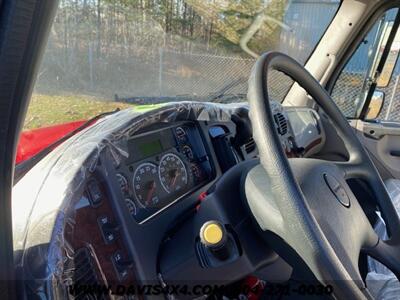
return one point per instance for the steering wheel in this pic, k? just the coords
(307, 202)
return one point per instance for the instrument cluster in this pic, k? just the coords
(163, 166)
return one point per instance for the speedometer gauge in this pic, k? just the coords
(172, 173)
(145, 185)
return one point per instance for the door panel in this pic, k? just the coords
(382, 140)
(375, 64)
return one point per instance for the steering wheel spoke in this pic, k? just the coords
(387, 253)
(366, 171)
(387, 209)
(352, 169)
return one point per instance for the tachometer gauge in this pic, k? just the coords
(172, 173)
(131, 206)
(145, 185)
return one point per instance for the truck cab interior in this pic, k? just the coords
(256, 154)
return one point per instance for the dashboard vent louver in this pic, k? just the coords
(79, 272)
(250, 146)
(281, 123)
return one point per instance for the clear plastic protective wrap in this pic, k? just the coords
(45, 200)
(380, 280)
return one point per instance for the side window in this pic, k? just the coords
(357, 77)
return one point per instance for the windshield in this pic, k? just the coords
(151, 51)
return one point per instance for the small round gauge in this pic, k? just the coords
(196, 172)
(187, 151)
(131, 206)
(145, 185)
(172, 173)
(123, 183)
(180, 133)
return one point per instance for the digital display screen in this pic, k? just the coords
(150, 148)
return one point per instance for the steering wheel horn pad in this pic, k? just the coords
(307, 202)
(337, 189)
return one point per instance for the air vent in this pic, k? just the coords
(250, 146)
(281, 123)
(79, 272)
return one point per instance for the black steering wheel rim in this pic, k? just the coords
(305, 234)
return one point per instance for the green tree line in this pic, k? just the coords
(107, 47)
(126, 25)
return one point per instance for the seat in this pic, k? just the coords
(381, 282)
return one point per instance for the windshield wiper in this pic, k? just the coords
(218, 96)
(22, 168)
(222, 92)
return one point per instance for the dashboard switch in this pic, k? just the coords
(121, 265)
(95, 193)
(109, 230)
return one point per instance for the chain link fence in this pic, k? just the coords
(349, 93)
(205, 74)
(169, 73)
(201, 74)
(166, 73)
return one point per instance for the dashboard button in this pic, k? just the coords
(95, 193)
(108, 229)
(121, 265)
(103, 220)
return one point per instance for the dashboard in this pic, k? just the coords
(124, 186)
(162, 166)
(166, 164)
(300, 130)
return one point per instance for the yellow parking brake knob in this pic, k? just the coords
(213, 235)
